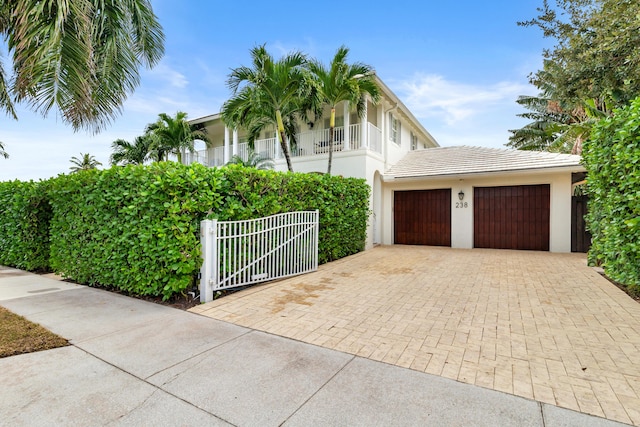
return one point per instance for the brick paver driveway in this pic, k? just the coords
(539, 325)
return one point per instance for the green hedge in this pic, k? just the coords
(343, 204)
(136, 227)
(612, 159)
(24, 225)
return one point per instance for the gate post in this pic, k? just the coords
(208, 271)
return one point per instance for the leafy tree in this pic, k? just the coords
(343, 82)
(126, 153)
(270, 93)
(596, 55)
(173, 135)
(594, 66)
(84, 162)
(2, 152)
(80, 56)
(254, 160)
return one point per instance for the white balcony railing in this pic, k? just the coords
(307, 144)
(375, 139)
(266, 148)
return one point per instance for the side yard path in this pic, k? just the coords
(538, 325)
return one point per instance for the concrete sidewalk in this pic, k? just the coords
(136, 363)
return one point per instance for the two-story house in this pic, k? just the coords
(461, 197)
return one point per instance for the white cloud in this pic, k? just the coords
(429, 96)
(163, 72)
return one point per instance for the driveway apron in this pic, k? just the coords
(534, 324)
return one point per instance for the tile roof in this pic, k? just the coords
(463, 160)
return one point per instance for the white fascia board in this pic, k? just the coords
(209, 118)
(536, 171)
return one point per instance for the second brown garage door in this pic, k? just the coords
(422, 217)
(513, 217)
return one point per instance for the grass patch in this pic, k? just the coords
(19, 336)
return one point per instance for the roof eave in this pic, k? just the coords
(205, 119)
(484, 174)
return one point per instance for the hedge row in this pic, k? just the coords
(343, 204)
(24, 225)
(612, 159)
(136, 227)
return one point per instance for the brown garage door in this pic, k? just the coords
(422, 217)
(515, 217)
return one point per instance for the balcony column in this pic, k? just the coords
(346, 144)
(364, 128)
(235, 142)
(225, 151)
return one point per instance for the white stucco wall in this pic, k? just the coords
(462, 213)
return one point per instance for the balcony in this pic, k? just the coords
(311, 143)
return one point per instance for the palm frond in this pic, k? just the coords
(173, 135)
(254, 160)
(3, 153)
(81, 57)
(85, 162)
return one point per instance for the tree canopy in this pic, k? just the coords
(85, 162)
(136, 153)
(270, 92)
(173, 135)
(340, 82)
(593, 67)
(81, 57)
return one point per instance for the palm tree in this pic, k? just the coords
(254, 160)
(556, 127)
(2, 152)
(84, 162)
(270, 93)
(173, 135)
(127, 153)
(80, 56)
(541, 133)
(344, 82)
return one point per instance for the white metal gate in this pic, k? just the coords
(239, 253)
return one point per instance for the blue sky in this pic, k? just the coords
(459, 66)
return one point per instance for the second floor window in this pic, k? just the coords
(394, 129)
(414, 141)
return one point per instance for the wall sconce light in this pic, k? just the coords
(310, 124)
(461, 195)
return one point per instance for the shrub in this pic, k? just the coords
(342, 203)
(24, 225)
(612, 159)
(133, 227)
(136, 227)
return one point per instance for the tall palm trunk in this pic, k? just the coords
(332, 125)
(283, 140)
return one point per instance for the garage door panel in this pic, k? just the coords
(512, 217)
(422, 217)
